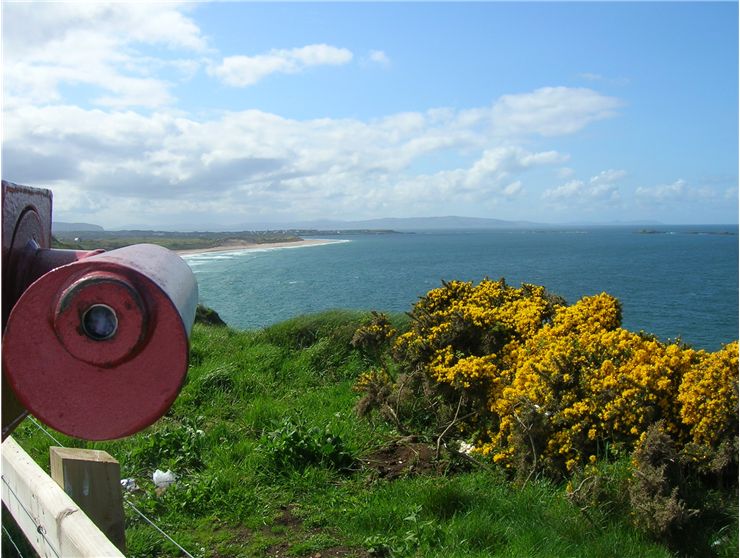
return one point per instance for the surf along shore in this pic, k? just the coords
(239, 246)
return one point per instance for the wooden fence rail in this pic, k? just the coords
(51, 521)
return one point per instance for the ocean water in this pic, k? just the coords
(675, 282)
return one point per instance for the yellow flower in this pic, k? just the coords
(570, 375)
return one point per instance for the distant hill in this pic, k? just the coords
(401, 224)
(60, 226)
(398, 224)
(448, 223)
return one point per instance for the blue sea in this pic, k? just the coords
(674, 282)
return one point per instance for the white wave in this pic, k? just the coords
(230, 254)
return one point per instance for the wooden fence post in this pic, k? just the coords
(92, 478)
(51, 521)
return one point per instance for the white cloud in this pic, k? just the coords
(379, 57)
(242, 71)
(512, 189)
(565, 172)
(319, 55)
(608, 177)
(93, 44)
(551, 111)
(676, 192)
(663, 192)
(29, 28)
(569, 190)
(591, 76)
(485, 182)
(120, 164)
(113, 162)
(498, 164)
(600, 189)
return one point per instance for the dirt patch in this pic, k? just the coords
(288, 520)
(402, 458)
(287, 537)
(294, 534)
(283, 550)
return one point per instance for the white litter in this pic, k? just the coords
(466, 448)
(129, 485)
(163, 479)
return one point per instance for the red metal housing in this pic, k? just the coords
(97, 346)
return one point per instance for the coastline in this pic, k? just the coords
(238, 247)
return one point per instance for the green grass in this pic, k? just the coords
(111, 240)
(252, 398)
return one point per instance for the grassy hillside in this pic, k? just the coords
(110, 240)
(272, 460)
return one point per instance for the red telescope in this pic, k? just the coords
(95, 344)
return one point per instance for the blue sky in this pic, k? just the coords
(218, 114)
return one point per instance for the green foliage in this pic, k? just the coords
(601, 490)
(268, 454)
(293, 445)
(196, 494)
(221, 378)
(372, 338)
(418, 535)
(488, 516)
(542, 388)
(301, 332)
(313, 545)
(110, 240)
(207, 316)
(670, 502)
(539, 386)
(143, 542)
(176, 446)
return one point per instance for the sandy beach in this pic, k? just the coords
(237, 246)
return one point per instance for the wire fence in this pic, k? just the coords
(9, 538)
(39, 528)
(130, 504)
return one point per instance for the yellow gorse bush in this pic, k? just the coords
(708, 396)
(555, 385)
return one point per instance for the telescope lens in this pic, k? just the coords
(100, 322)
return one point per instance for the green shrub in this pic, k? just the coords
(372, 338)
(416, 539)
(292, 445)
(196, 494)
(656, 502)
(255, 483)
(671, 502)
(220, 378)
(177, 446)
(208, 316)
(303, 331)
